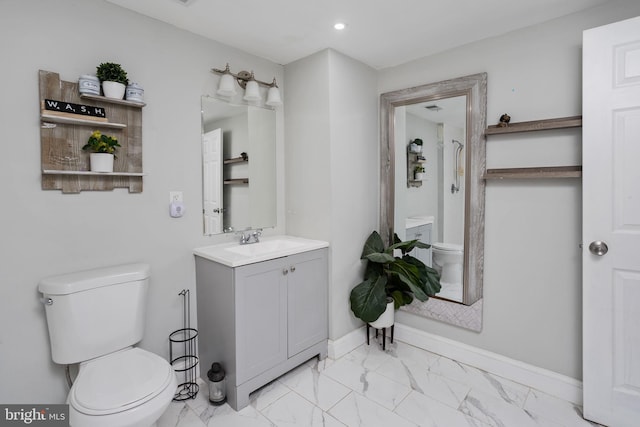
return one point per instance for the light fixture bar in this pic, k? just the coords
(243, 77)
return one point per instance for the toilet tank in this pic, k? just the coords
(95, 312)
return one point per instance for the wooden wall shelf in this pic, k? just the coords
(80, 122)
(236, 160)
(113, 100)
(89, 173)
(65, 166)
(536, 125)
(237, 181)
(536, 172)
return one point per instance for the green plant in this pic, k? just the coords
(418, 169)
(111, 72)
(401, 278)
(99, 143)
(417, 141)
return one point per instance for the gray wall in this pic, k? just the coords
(532, 283)
(332, 166)
(47, 232)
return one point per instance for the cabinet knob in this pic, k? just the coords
(285, 271)
(293, 269)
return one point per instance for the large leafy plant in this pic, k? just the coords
(401, 278)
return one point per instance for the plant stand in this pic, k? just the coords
(384, 335)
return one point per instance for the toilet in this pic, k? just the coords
(94, 318)
(447, 260)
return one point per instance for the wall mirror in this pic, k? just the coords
(238, 166)
(438, 127)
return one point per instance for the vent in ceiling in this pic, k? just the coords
(433, 107)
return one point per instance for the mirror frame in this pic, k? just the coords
(475, 89)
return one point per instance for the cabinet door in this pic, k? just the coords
(307, 289)
(261, 317)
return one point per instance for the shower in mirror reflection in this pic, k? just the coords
(458, 169)
(441, 125)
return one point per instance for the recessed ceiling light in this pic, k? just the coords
(339, 26)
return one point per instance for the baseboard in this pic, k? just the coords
(346, 343)
(541, 379)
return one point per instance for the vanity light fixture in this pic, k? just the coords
(248, 82)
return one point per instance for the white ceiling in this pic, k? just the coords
(380, 33)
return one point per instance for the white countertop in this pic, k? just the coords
(235, 255)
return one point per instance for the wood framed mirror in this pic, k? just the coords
(395, 141)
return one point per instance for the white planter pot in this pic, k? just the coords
(386, 319)
(419, 176)
(113, 90)
(101, 162)
(415, 148)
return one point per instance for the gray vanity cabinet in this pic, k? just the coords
(261, 320)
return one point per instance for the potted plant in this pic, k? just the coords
(418, 172)
(103, 148)
(391, 281)
(114, 79)
(416, 146)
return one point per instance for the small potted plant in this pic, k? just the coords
(102, 149)
(418, 172)
(416, 146)
(391, 281)
(114, 79)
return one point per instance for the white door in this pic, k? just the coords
(212, 181)
(611, 215)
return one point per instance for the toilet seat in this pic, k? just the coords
(448, 247)
(119, 381)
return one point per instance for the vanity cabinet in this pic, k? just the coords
(423, 234)
(261, 320)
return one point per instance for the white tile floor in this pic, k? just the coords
(402, 386)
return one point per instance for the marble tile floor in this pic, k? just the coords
(369, 387)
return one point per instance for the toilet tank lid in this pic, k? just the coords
(89, 279)
(447, 246)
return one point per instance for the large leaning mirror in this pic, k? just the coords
(432, 163)
(238, 166)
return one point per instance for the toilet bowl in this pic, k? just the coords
(94, 319)
(447, 260)
(129, 388)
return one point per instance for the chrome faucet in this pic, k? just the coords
(250, 236)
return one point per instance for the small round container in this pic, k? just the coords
(135, 92)
(89, 85)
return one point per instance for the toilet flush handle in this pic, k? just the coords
(46, 301)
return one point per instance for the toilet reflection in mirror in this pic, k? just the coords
(432, 210)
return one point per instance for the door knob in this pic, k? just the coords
(598, 248)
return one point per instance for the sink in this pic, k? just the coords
(265, 247)
(236, 255)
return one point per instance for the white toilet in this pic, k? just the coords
(95, 317)
(447, 260)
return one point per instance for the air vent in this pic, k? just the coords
(433, 107)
